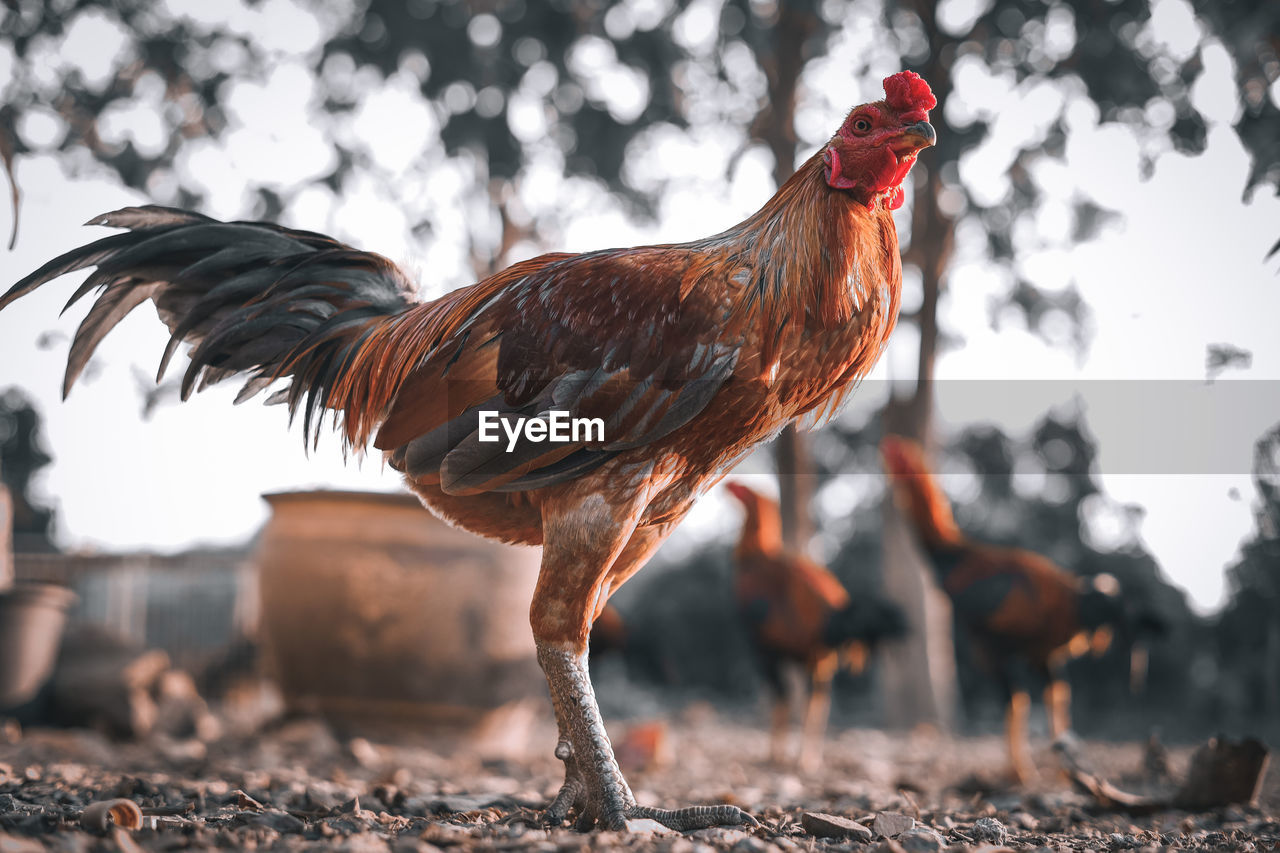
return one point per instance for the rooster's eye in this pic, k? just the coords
(861, 125)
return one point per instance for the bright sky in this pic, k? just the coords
(1183, 269)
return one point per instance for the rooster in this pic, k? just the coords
(797, 611)
(608, 633)
(1023, 614)
(690, 355)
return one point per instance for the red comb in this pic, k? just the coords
(906, 91)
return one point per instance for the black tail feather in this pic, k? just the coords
(869, 617)
(251, 297)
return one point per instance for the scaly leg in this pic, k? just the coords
(589, 547)
(775, 678)
(593, 782)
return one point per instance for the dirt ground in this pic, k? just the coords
(297, 786)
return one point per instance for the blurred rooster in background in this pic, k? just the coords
(608, 632)
(1024, 615)
(796, 611)
(691, 354)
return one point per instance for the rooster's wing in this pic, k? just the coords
(642, 339)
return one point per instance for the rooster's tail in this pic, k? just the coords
(251, 298)
(868, 618)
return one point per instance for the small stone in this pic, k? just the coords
(833, 826)
(891, 824)
(649, 826)
(365, 753)
(244, 801)
(719, 836)
(921, 840)
(445, 835)
(990, 831)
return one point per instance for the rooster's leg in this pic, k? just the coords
(1020, 766)
(578, 536)
(780, 716)
(1057, 702)
(593, 783)
(817, 711)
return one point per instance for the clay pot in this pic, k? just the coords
(374, 609)
(32, 616)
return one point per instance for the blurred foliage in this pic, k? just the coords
(577, 84)
(22, 455)
(1222, 357)
(1067, 63)
(1248, 628)
(1250, 31)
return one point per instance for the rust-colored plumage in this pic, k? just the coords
(796, 611)
(1022, 612)
(691, 354)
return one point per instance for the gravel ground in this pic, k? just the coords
(295, 786)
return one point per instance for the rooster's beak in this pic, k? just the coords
(919, 135)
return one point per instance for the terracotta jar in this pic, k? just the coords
(372, 608)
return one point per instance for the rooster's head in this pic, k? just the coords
(873, 150)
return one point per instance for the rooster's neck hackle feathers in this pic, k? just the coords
(762, 527)
(802, 258)
(926, 504)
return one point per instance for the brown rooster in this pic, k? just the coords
(690, 354)
(797, 611)
(1024, 615)
(608, 632)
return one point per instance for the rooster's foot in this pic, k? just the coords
(615, 812)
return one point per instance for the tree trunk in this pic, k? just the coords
(920, 679)
(795, 488)
(6, 537)
(920, 682)
(919, 675)
(796, 22)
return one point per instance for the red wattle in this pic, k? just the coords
(835, 177)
